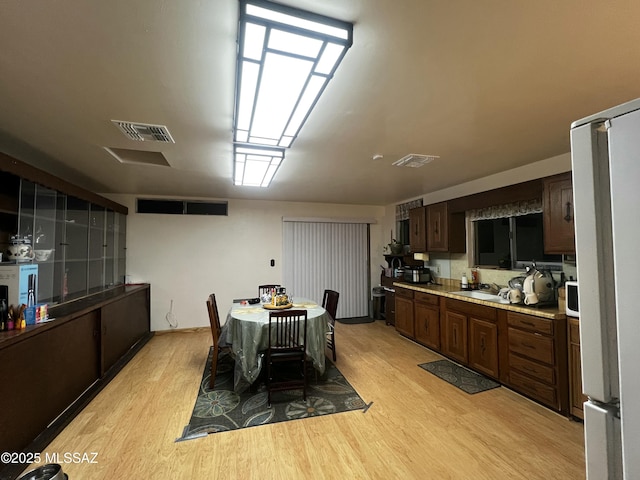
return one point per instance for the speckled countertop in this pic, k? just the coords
(551, 312)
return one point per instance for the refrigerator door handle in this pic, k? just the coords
(594, 251)
(603, 452)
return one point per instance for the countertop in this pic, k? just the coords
(552, 312)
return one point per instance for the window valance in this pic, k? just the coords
(515, 209)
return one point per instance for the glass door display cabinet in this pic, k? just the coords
(79, 247)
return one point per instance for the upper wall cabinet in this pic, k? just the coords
(445, 231)
(557, 204)
(79, 246)
(417, 229)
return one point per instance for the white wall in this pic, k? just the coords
(187, 257)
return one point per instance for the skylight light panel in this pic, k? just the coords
(286, 57)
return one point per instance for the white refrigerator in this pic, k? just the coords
(605, 155)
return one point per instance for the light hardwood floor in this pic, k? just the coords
(418, 427)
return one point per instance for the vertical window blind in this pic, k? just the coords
(324, 255)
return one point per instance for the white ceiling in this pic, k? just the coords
(486, 85)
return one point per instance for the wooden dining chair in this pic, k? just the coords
(330, 304)
(286, 354)
(262, 289)
(216, 330)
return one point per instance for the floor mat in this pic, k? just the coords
(463, 378)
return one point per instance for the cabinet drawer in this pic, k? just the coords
(531, 345)
(541, 372)
(528, 322)
(534, 389)
(404, 293)
(426, 298)
(472, 309)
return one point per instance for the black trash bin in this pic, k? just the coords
(377, 310)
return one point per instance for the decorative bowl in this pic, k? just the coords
(43, 255)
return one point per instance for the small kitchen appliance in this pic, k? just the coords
(417, 274)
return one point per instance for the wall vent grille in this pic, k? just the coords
(414, 160)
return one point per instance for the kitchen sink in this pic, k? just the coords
(481, 296)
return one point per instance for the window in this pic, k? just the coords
(513, 242)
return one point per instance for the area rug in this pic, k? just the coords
(464, 379)
(355, 320)
(221, 409)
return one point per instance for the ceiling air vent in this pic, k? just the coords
(414, 160)
(144, 132)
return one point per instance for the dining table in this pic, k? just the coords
(247, 331)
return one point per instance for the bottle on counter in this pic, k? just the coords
(475, 277)
(464, 282)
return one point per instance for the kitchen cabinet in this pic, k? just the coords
(558, 218)
(483, 346)
(577, 398)
(426, 311)
(445, 230)
(404, 312)
(537, 359)
(454, 336)
(417, 229)
(470, 335)
(389, 300)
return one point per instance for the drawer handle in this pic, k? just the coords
(531, 324)
(529, 369)
(528, 345)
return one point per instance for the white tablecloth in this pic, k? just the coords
(246, 329)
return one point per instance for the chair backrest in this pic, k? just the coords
(214, 319)
(288, 329)
(262, 289)
(330, 302)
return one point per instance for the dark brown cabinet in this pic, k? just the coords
(426, 313)
(470, 335)
(454, 336)
(577, 398)
(537, 359)
(404, 312)
(57, 367)
(417, 229)
(557, 204)
(483, 346)
(445, 231)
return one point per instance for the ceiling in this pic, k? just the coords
(487, 86)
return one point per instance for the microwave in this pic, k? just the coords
(417, 275)
(571, 293)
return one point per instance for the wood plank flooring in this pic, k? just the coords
(418, 427)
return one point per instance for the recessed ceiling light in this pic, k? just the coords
(414, 160)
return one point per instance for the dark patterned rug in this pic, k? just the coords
(464, 379)
(221, 409)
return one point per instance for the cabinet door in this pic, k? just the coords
(559, 233)
(417, 229)
(454, 336)
(437, 234)
(483, 346)
(427, 325)
(390, 308)
(404, 316)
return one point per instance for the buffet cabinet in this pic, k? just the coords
(50, 371)
(526, 353)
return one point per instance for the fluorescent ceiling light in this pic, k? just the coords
(286, 57)
(255, 166)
